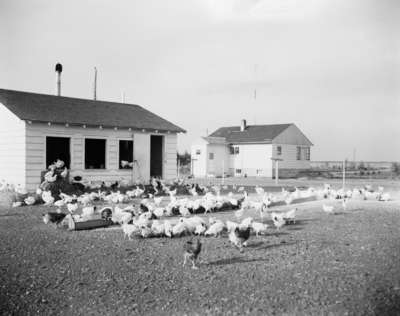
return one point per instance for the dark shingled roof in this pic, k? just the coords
(57, 109)
(252, 133)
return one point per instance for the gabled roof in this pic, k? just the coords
(252, 133)
(57, 109)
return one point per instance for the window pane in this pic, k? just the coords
(231, 150)
(198, 152)
(279, 150)
(298, 155)
(211, 156)
(236, 150)
(95, 153)
(125, 154)
(58, 148)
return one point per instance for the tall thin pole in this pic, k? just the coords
(344, 173)
(95, 84)
(223, 171)
(276, 171)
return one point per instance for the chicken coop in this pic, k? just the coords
(97, 140)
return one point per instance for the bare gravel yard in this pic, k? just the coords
(324, 264)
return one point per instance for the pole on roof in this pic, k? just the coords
(95, 84)
(344, 173)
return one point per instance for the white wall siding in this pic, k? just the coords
(220, 163)
(289, 156)
(170, 167)
(253, 160)
(199, 162)
(12, 147)
(36, 152)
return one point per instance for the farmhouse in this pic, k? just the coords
(251, 151)
(98, 140)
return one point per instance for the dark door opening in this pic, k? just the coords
(58, 148)
(156, 156)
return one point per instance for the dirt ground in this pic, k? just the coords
(341, 264)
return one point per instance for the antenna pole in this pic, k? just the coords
(95, 84)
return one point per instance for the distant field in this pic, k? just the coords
(393, 186)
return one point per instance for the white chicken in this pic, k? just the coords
(129, 230)
(158, 228)
(259, 228)
(59, 203)
(168, 228)
(329, 209)
(158, 200)
(278, 220)
(72, 207)
(260, 191)
(215, 229)
(179, 229)
(231, 225)
(88, 211)
(384, 197)
(200, 229)
(290, 216)
(159, 212)
(47, 198)
(30, 200)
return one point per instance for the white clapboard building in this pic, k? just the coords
(98, 140)
(251, 151)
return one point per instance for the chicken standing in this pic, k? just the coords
(192, 250)
(239, 236)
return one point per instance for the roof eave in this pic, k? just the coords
(88, 125)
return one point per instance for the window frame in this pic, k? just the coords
(105, 153)
(198, 152)
(298, 153)
(70, 148)
(279, 150)
(210, 156)
(119, 152)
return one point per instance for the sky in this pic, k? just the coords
(332, 67)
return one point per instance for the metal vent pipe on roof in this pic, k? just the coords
(243, 125)
(95, 84)
(58, 78)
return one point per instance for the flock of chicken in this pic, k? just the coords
(148, 217)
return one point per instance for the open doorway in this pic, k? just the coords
(156, 156)
(58, 148)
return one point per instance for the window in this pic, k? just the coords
(303, 153)
(95, 153)
(233, 150)
(307, 150)
(198, 151)
(211, 156)
(238, 171)
(279, 150)
(125, 154)
(58, 148)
